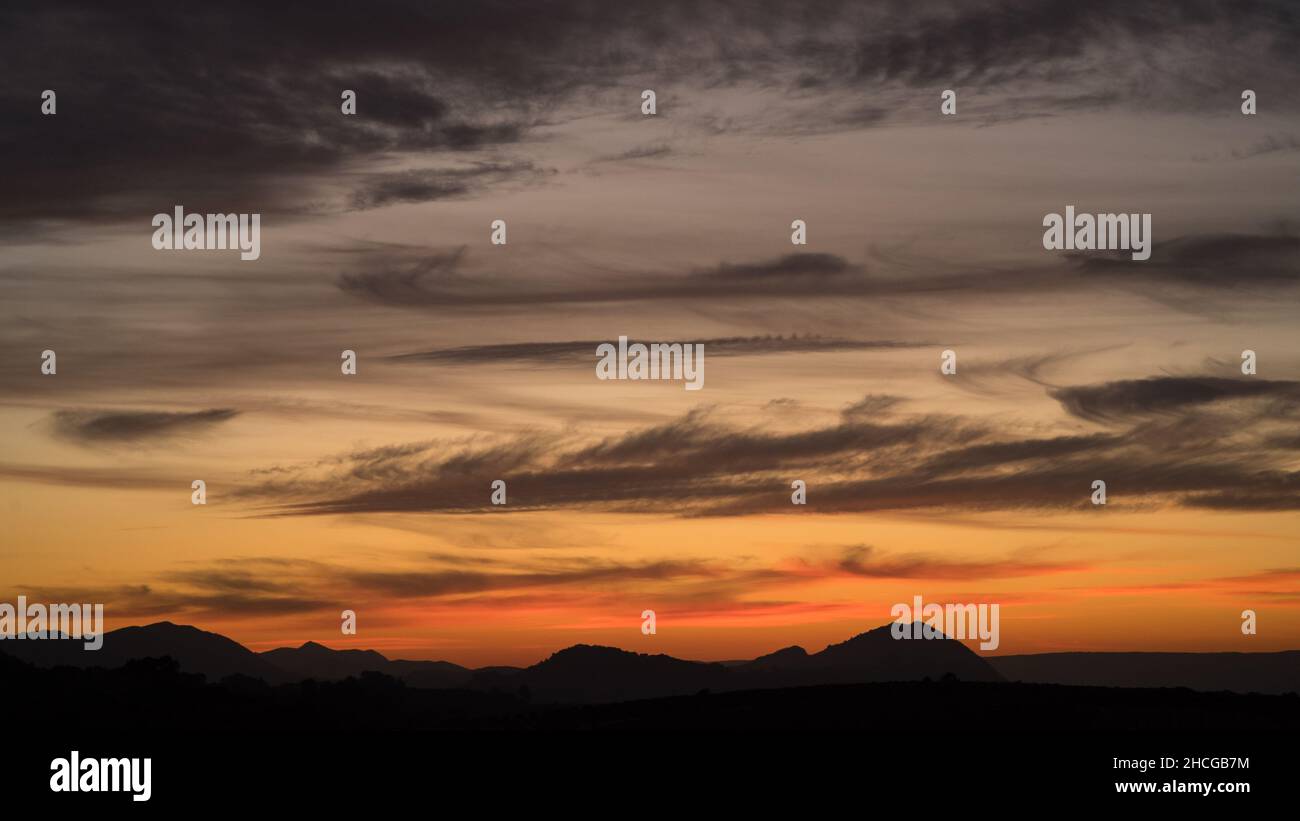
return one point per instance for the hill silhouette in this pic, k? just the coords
(875, 656)
(588, 674)
(196, 651)
(592, 674)
(154, 696)
(316, 661)
(585, 673)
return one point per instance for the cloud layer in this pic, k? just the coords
(1198, 442)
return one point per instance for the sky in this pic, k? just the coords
(476, 362)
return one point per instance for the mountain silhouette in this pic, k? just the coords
(196, 651)
(873, 656)
(787, 658)
(586, 673)
(153, 696)
(877, 656)
(593, 674)
(316, 661)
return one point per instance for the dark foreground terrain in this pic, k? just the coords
(241, 742)
(153, 694)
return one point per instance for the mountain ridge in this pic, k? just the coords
(597, 673)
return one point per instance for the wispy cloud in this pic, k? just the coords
(860, 463)
(103, 426)
(1166, 394)
(557, 353)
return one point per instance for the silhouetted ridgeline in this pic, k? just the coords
(315, 661)
(153, 696)
(584, 674)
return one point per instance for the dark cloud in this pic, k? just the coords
(990, 378)
(1165, 446)
(977, 457)
(864, 560)
(640, 152)
(989, 43)
(1209, 260)
(180, 599)
(407, 278)
(433, 279)
(1166, 394)
(284, 587)
(1197, 441)
(438, 280)
(871, 405)
(441, 280)
(426, 185)
(224, 580)
(160, 105)
(102, 426)
(1285, 442)
(587, 572)
(1058, 485)
(796, 266)
(1281, 494)
(287, 587)
(1268, 145)
(236, 107)
(560, 353)
(692, 460)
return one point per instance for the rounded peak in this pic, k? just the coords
(590, 650)
(794, 651)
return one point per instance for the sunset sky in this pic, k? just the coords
(477, 362)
